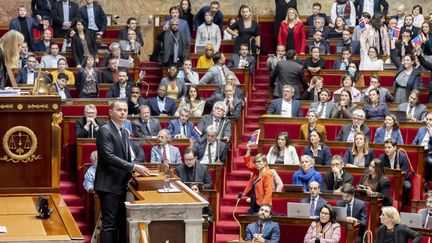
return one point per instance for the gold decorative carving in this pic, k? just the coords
(55, 106)
(20, 106)
(7, 107)
(20, 144)
(57, 119)
(37, 106)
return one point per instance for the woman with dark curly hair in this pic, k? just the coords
(82, 43)
(325, 228)
(192, 101)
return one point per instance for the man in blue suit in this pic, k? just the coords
(356, 209)
(181, 127)
(264, 230)
(314, 200)
(28, 74)
(94, 17)
(25, 25)
(162, 105)
(286, 106)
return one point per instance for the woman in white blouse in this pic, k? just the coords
(282, 152)
(417, 12)
(208, 33)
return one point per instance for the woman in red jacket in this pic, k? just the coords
(292, 33)
(261, 182)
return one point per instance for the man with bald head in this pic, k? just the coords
(400, 15)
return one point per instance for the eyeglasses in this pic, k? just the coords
(333, 165)
(324, 213)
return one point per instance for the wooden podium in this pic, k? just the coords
(29, 167)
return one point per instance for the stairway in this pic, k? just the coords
(236, 180)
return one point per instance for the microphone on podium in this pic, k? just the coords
(239, 196)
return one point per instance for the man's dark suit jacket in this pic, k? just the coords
(310, 19)
(401, 234)
(238, 92)
(40, 7)
(107, 76)
(201, 146)
(138, 151)
(270, 233)
(170, 107)
(224, 131)
(57, 16)
(414, 31)
(200, 174)
(346, 129)
(359, 211)
(114, 91)
(276, 107)
(22, 76)
(330, 185)
(114, 168)
(140, 131)
(401, 159)
(77, 47)
(237, 105)
(354, 45)
(31, 23)
(175, 129)
(338, 63)
(132, 108)
(235, 60)
(80, 131)
(289, 72)
(319, 204)
(123, 35)
(66, 90)
(359, 4)
(99, 14)
(325, 32)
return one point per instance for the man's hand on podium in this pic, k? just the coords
(142, 170)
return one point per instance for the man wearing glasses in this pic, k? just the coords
(334, 180)
(347, 132)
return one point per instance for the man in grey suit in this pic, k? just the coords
(113, 172)
(426, 212)
(243, 59)
(218, 73)
(289, 72)
(191, 171)
(210, 149)
(324, 106)
(145, 125)
(415, 111)
(234, 104)
(347, 132)
(286, 106)
(218, 119)
(384, 94)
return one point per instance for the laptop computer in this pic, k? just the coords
(411, 219)
(293, 188)
(298, 210)
(400, 115)
(341, 213)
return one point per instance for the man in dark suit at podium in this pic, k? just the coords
(264, 230)
(113, 172)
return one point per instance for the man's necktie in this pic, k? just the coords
(184, 129)
(260, 228)
(209, 153)
(217, 123)
(147, 128)
(321, 109)
(125, 143)
(312, 207)
(349, 211)
(164, 154)
(410, 109)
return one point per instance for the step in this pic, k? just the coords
(227, 227)
(86, 229)
(68, 187)
(234, 186)
(224, 238)
(231, 199)
(72, 200)
(64, 175)
(78, 213)
(238, 175)
(225, 212)
(251, 118)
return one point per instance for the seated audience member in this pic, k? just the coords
(28, 74)
(131, 24)
(312, 125)
(324, 228)
(131, 44)
(197, 188)
(206, 60)
(426, 64)
(359, 155)
(335, 179)
(174, 54)
(306, 174)
(23, 54)
(218, 72)
(226, 34)
(286, 106)
(282, 152)
(191, 171)
(374, 109)
(134, 100)
(347, 83)
(317, 148)
(314, 200)
(145, 125)
(243, 59)
(384, 93)
(356, 209)
(61, 88)
(314, 64)
(215, 12)
(61, 68)
(231, 79)
(176, 87)
(344, 10)
(344, 108)
(347, 132)
(404, 45)
(181, 127)
(374, 182)
(192, 101)
(426, 212)
(324, 106)
(111, 74)
(186, 75)
(161, 105)
(88, 125)
(339, 26)
(417, 13)
(264, 229)
(217, 118)
(394, 159)
(424, 133)
(89, 176)
(315, 87)
(366, 19)
(400, 15)
(82, 43)
(273, 60)
(348, 42)
(319, 41)
(390, 25)
(414, 109)
(318, 25)
(121, 89)
(51, 60)
(316, 12)
(26, 22)
(392, 230)
(210, 149)
(38, 32)
(369, 60)
(234, 104)
(344, 61)
(409, 27)
(116, 54)
(164, 152)
(208, 33)
(354, 72)
(43, 44)
(389, 130)
(88, 79)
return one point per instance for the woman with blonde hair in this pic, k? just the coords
(392, 230)
(359, 155)
(292, 32)
(10, 47)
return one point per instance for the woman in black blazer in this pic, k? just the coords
(88, 79)
(83, 43)
(392, 230)
(375, 183)
(400, 83)
(359, 155)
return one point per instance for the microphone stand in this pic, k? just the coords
(239, 196)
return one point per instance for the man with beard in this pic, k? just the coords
(175, 45)
(264, 230)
